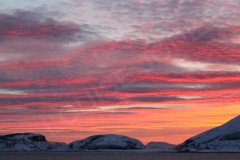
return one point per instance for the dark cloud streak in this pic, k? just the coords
(27, 24)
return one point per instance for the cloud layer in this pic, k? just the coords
(125, 67)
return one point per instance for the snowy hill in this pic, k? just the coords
(38, 142)
(106, 142)
(225, 138)
(28, 142)
(160, 146)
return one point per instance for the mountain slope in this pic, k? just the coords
(106, 142)
(225, 138)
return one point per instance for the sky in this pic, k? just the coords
(155, 70)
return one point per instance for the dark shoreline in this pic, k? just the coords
(114, 151)
(118, 155)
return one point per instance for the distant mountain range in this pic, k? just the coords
(225, 138)
(38, 142)
(161, 146)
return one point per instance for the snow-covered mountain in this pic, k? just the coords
(161, 146)
(29, 142)
(225, 138)
(106, 142)
(38, 142)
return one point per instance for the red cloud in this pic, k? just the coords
(196, 77)
(207, 44)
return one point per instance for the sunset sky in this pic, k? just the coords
(156, 70)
